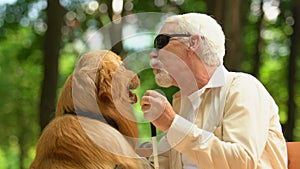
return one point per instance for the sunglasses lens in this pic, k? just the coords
(161, 41)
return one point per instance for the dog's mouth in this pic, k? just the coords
(132, 96)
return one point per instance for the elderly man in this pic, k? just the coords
(219, 119)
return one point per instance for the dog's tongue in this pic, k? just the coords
(134, 96)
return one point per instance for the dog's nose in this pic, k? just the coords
(138, 76)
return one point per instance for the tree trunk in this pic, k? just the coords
(258, 43)
(52, 43)
(229, 14)
(116, 38)
(292, 67)
(115, 32)
(215, 8)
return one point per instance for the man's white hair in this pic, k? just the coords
(212, 49)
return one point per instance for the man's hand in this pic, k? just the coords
(157, 109)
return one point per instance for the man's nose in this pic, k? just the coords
(154, 54)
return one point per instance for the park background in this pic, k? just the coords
(41, 40)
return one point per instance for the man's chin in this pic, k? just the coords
(163, 83)
(162, 78)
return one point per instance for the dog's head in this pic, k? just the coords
(102, 85)
(115, 82)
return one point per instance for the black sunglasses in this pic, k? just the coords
(162, 40)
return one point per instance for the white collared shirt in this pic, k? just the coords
(249, 135)
(190, 106)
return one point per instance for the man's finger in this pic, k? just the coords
(151, 100)
(153, 93)
(147, 93)
(145, 100)
(146, 108)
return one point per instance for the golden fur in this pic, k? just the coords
(71, 141)
(110, 67)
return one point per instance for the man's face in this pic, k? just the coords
(162, 77)
(169, 62)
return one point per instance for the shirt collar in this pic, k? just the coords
(217, 80)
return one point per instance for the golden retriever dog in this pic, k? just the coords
(94, 127)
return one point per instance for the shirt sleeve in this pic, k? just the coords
(245, 127)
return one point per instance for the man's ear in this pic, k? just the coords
(195, 42)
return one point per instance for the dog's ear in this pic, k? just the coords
(65, 101)
(103, 80)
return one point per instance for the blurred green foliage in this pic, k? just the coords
(22, 26)
(20, 73)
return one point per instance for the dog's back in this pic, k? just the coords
(71, 142)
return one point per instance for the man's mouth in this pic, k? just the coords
(156, 71)
(155, 66)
